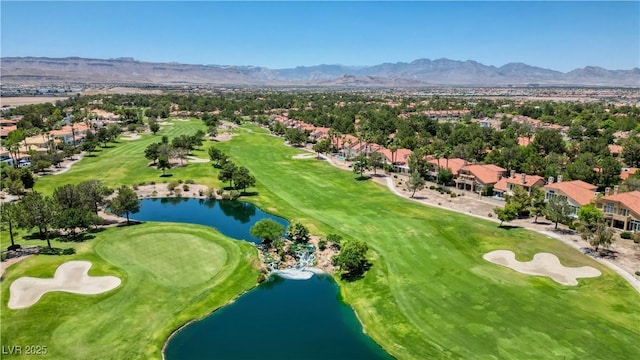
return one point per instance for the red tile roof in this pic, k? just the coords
(579, 191)
(631, 200)
(627, 172)
(454, 164)
(516, 179)
(486, 174)
(615, 149)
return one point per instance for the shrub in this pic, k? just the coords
(626, 235)
(201, 192)
(14, 247)
(142, 183)
(68, 251)
(637, 273)
(185, 187)
(154, 193)
(172, 185)
(135, 187)
(322, 244)
(234, 194)
(178, 192)
(220, 191)
(636, 238)
(131, 127)
(211, 193)
(490, 215)
(453, 195)
(190, 181)
(179, 181)
(395, 176)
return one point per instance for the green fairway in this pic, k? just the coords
(170, 273)
(123, 163)
(429, 293)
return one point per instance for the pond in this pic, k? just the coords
(279, 319)
(231, 218)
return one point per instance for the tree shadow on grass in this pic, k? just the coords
(363, 178)
(130, 223)
(356, 275)
(249, 193)
(166, 175)
(80, 237)
(509, 227)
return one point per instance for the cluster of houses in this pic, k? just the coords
(621, 210)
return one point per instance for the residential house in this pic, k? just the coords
(478, 177)
(621, 210)
(627, 172)
(399, 159)
(454, 164)
(616, 150)
(577, 192)
(506, 185)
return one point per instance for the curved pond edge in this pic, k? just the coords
(342, 297)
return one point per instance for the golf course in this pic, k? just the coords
(429, 294)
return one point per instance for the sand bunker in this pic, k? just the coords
(164, 123)
(193, 159)
(71, 276)
(303, 156)
(543, 264)
(131, 137)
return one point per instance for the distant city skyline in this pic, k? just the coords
(556, 35)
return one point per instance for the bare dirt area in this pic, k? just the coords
(29, 100)
(121, 90)
(543, 264)
(131, 137)
(71, 276)
(161, 190)
(224, 137)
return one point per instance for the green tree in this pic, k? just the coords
(558, 210)
(610, 169)
(163, 164)
(375, 161)
(298, 232)
(537, 203)
(267, 230)
(597, 234)
(508, 213)
(93, 195)
(631, 152)
(321, 147)
(125, 203)
(415, 183)
(360, 165)
(68, 196)
(418, 163)
(445, 176)
(295, 137)
(153, 126)
(151, 152)
(70, 219)
(548, 141)
(352, 259)
(226, 173)
(243, 179)
(520, 200)
(10, 215)
(37, 211)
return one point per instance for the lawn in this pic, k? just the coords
(171, 273)
(124, 162)
(429, 293)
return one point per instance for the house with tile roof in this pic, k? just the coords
(399, 159)
(453, 164)
(506, 185)
(621, 210)
(577, 192)
(627, 172)
(478, 177)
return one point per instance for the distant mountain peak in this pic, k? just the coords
(419, 72)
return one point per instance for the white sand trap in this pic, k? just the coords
(193, 159)
(71, 276)
(543, 264)
(165, 123)
(131, 137)
(303, 156)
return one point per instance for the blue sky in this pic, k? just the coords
(556, 35)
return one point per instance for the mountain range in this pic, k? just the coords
(421, 72)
